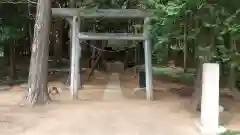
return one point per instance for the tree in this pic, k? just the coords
(12, 30)
(206, 26)
(38, 74)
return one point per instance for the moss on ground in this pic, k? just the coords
(176, 75)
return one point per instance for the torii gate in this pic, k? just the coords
(75, 14)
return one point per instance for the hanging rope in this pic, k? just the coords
(133, 28)
(104, 50)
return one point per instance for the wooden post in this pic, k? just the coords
(93, 54)
(148, 61)
(70, 36)
(210, 99)
(75, 55)
(79, 54)
(135, 53)
(93, 49)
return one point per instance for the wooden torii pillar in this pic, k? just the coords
(148, 60)
(75, 56)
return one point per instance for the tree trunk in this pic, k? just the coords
(60, 39)
(93, 57)
(96, 62)
(185, 51)
(232, 73)
(231, 77)
(30, 24)
(196, 97)
(126, 59)
(38, 75)
(55, 44)
(7, 54)
(12, 66)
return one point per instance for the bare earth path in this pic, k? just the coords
(101, 118)
(113, 90)
(104, 116)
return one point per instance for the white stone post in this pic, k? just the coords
(210, 99)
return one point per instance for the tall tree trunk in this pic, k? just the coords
(60, 39)
(232, 73)
(7, 54)
(93, 57)
(196, 103)
(185, 51)
(38, 75)
(55, 44)
(196, 97)
(126, 59)
(12, 66)
(30, 24)
(231, 77)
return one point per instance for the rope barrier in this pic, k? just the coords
(104, 50)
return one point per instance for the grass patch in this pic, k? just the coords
(231, 133)
(176, 75)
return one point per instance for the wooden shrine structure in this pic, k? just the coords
(75, 14)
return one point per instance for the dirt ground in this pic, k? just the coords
(92, 115)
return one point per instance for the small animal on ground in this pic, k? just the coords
(53, 90)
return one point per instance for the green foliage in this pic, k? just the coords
(212, 20)
(231, 133)
(175, 75)
(209, 29)
(9, 33)
(13, 22)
